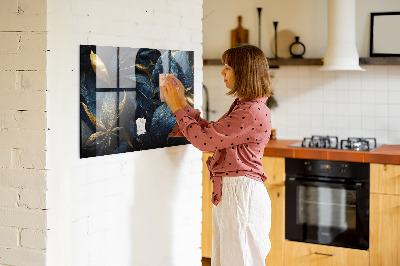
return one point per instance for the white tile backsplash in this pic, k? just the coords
(343, 103)
(394, 110)
(394, 123)
(381, 110)
(381, 97)
(381, 84)
(394, 97)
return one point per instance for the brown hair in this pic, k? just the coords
(250, 66)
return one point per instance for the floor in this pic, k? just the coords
(206, 261)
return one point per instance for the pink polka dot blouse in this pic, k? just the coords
(238, 139)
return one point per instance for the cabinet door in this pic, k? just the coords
(206, 232)
(384, 230)
(274, 168)
(304, 254)
(277, 233)
(385, 178)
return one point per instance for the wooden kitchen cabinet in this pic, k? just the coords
(274, 168)
(384, 236)
(385, 178)
(385, 215)
(305, 254)
(277, 233)
(206, 225)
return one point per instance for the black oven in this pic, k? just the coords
(327, 202)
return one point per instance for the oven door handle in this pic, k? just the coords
(357, 185)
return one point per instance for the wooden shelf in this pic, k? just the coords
(380, 61)
(274, 63)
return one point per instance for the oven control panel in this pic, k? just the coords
(337, 169)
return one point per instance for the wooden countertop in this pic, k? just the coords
(389, 154)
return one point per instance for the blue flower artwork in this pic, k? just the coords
(120, 106)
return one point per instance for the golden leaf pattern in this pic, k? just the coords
(126, 135)
(144, 69)
(97, 123)
(121, 105)
(100, 68)
(94, 136)
(109, 116)
(189, 97)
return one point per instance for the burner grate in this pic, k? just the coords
(327, 142)
(332, 142)
(358, 144)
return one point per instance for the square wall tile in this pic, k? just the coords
(367, 133)
(355, 132)
(381, 110)
(303, 82)
(329, 109)
(315, 71)
(394, 83)
(382, 123)
(394, 137)
(355, 109)
(342, 109)
(317, 95)
(394, 110)
(342, 122)
(380, 71)
(292, 83)
(367, 96)
(367, 83)
(355, 96)
(382, 136)
(291, 71)
(329, 94)
(329, 122)
(381, 84)
(394, 97)
(381, 97)
(394, 123)
(368, 123)
(304, 72)
(394, 71)
(342, 96)
(355, 122)
(368, 110)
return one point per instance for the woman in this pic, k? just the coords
(242, 208)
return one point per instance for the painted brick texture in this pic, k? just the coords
(23, 125)
(139, 208)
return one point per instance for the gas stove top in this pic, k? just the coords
(332, 142)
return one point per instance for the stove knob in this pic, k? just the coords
(308, 166)
(343, 168)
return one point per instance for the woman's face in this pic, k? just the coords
(229, 76)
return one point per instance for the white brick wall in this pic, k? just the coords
(140, 208)
(23, 132)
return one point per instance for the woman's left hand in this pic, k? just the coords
(171, 96)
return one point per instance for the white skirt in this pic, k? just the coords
(241, 223)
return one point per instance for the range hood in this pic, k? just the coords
(341, 51)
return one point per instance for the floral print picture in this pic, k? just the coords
(120, 106)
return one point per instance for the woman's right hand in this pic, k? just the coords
(181, 91)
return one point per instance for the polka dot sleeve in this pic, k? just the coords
(193, 113)
(232, 130)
